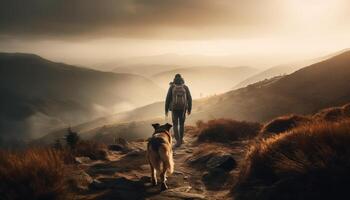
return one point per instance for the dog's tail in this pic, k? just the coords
(166, 157)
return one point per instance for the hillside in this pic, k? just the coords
(269, 73)
(207, 80)
(320, 85)
(38, 95)
(309, 89)
(284, 69)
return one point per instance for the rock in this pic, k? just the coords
(182, 195)
(120, 145)
(189, 151)
(106, 170)
(215, 178)
(109, 182)
(178, 173)
(182, 189)
(145, 179)
(225, 162)
(80, 180)
(136, 153)
(82, 160)
(121, 141)
(199, 160)
(116, 147)
(218, 167)
(96, 184)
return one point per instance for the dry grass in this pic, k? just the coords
(191, 131)
(330, 114)
(284, 123)
(334, 113)
(288, 122)
(346, 110)
(308, 162)
(32, 174)
(93, 150)
(226, 130)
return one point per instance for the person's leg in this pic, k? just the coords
(176, 126)
(182, 119)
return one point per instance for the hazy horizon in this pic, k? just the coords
(251, 33)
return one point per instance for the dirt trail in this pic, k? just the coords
(127, 176)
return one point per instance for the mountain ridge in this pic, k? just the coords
(63, 94)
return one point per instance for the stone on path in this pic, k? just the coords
(225, 162)
(80, 180)
(83, 160)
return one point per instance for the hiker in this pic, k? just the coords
(178, 101)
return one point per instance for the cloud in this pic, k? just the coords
(133, 18)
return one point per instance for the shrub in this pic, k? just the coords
(32, 174)
(57, 144)
(330, 114)
(72, 138)
(200, 123)
(192, 131)
(93, 150)
(284, 123)
(226, 130)
(309, 162)
(346, 110)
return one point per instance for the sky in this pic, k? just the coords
(258, 33)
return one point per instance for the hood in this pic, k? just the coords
(179, 81)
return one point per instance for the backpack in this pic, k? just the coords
(179, 101)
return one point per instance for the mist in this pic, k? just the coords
(107, 34)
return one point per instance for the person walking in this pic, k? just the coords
(178, 101)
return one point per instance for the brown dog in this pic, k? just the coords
(160, 153)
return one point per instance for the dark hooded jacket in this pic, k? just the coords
(169, 97)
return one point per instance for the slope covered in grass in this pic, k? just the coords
(308, 162)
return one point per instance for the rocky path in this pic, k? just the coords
(127, 176)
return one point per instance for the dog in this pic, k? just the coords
(160, 154)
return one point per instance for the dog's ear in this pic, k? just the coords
(168, 126)
(155, 126)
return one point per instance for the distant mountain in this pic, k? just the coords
(208, 80)
(38, 95)
(171, 59)
(144, 70)
(218, 79)
(186, 60)
(283, 69)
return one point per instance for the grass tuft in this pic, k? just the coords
(226, 130)
(309, 162)
(32, 174)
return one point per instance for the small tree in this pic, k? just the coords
(72, 138)
(58, 145)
